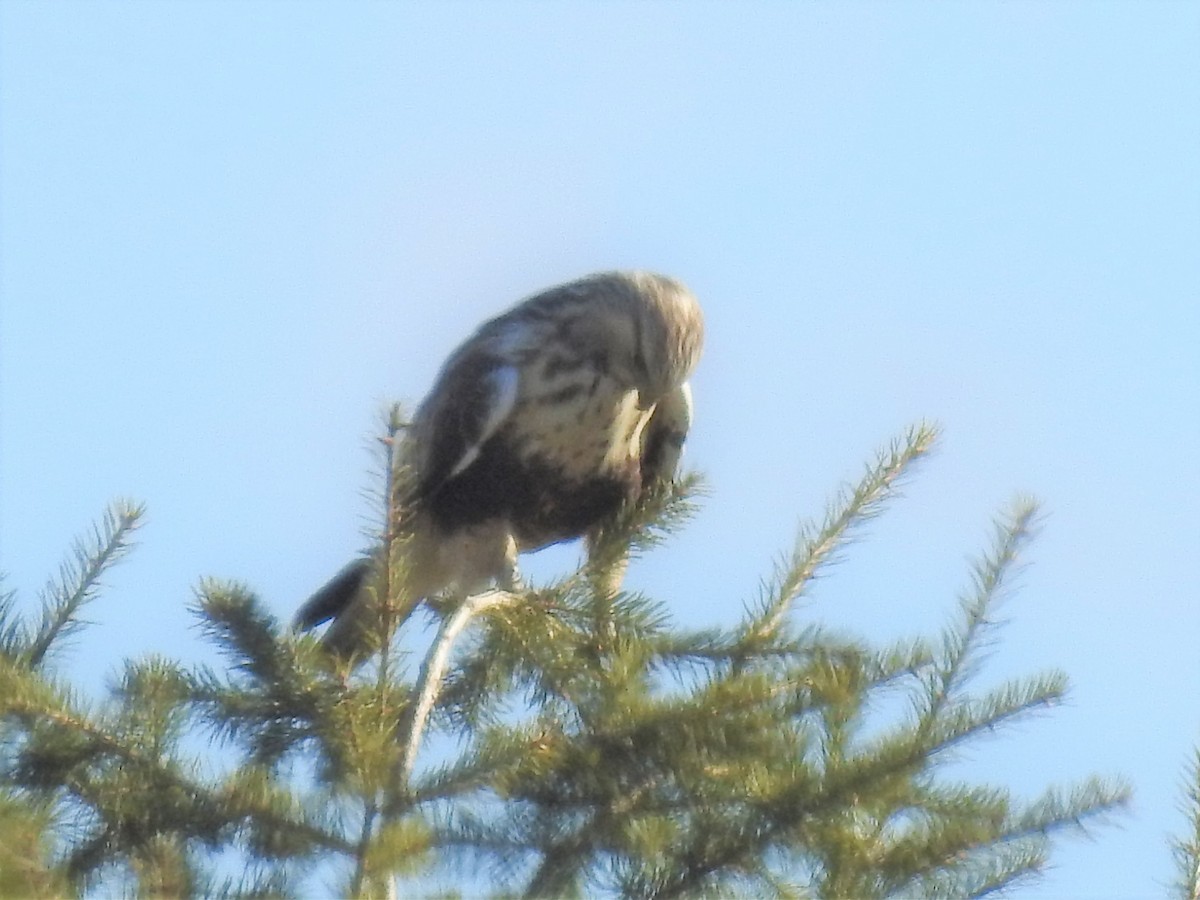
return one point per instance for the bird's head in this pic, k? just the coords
(653, 329)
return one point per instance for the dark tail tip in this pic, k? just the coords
(332, 599)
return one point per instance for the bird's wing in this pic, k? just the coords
(662, 442)
(475, 399)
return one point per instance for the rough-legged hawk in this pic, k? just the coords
(538, 428)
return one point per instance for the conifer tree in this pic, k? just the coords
(1187, 848)
(557, 741)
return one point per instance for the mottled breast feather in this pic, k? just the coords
(594, 359)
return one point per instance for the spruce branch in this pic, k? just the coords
(13, 637)
(1000, 706)
(79, 577)
(1186, 849)
(111, 768)
(27, 864)
(253, 884)
(642, 526)
(1078, 807)
(233, 618)
(394, 598)
(964, 645)
(599, 745)
(274, 819)
(976, 874)
(496, 749)
(382, 486)
(986, 846)
(391, 601)
(281, 692)
(817, 545)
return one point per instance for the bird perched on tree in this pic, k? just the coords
(538, 428)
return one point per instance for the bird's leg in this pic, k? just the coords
(606, 579)
(509, 578)
(610, 579)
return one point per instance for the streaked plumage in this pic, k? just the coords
(537, 429)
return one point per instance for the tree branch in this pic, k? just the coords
(434, 667)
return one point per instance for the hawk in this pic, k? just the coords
(536, 431)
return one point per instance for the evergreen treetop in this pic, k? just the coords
(583, 742)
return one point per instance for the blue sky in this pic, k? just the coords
(229, 233)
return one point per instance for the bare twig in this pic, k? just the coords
(434, 667)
